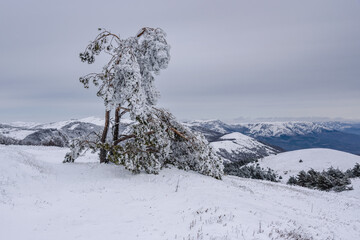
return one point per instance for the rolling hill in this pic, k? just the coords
(290, 163)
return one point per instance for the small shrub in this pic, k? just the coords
(251, 171)
(354, 172)
(329, 180)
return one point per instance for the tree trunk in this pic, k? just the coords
(103, 138)
(116, 126)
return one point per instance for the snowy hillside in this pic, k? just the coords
(288, 163)
(212, 129)
(41, 198)
(239, 147)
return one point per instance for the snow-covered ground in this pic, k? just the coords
(291, 163)
(15, 133)
(41, 198)
(240, 143)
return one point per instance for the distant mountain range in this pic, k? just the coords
(288, 136)
(233, 142)
(50, 134)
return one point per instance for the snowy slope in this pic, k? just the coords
(41, 198)
(211, 129)
(288, 163)
(239, 147)
(15, 133)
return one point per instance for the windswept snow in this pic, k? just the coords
(288, 163)
(41, 198)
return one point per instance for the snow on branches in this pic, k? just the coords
(127, 79)
(126, 84)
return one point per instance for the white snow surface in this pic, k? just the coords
(74, 126)
(42, 198)
(15, 133)
(239, 142)
(288, 163)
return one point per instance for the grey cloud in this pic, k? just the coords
(229, 58)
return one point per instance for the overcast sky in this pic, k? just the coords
(229, 59)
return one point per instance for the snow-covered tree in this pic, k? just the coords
(126, 85)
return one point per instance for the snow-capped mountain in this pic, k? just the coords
(268, 129)
(289, 135)
(52, 134)
(212, 129)
(272, 129)
(49, 134)
(239, 147)
(277, 129)
(213, 125)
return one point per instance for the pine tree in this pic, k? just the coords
(302, 179)
(329, 180)
(126, 85)
(354, 172)
(292, 181)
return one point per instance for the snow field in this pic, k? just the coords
(288, 163)
(41, 198)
